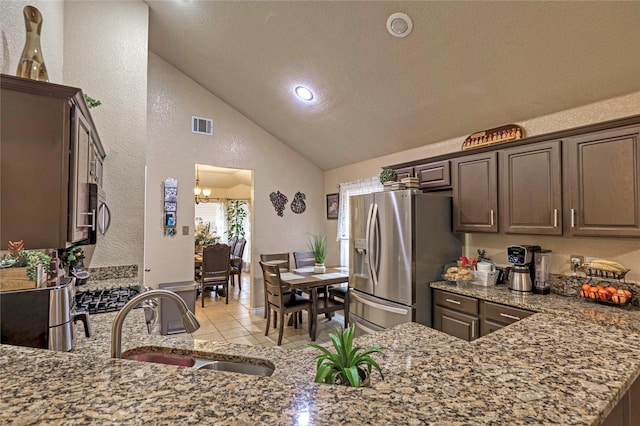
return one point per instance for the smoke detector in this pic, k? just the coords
(399, 24)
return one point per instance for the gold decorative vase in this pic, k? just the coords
(31, 64)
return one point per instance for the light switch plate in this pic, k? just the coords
(185, 230)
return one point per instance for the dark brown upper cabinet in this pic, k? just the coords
(531, 189)
(475, 193)
(434, 176)
(404, 172)
(49, 141)
(602, 183)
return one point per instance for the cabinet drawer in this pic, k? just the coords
(455, 324)
(434, 175)
(496, 312)
(468, 305)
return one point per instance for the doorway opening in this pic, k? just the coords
(223, 207)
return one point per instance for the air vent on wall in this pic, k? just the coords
(202, 126)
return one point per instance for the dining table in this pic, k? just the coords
(306, 279)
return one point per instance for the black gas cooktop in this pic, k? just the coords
(105, 300)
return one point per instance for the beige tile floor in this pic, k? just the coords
(237, 322)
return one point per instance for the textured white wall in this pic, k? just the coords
(105, 53)
(626, 251)
(237, 142)
(12, 32)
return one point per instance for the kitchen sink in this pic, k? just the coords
(239, 367)
(163, 358)
(262, 368)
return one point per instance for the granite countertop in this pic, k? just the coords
(539, 370)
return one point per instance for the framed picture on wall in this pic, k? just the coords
(333, 201)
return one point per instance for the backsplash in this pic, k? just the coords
(113, 272)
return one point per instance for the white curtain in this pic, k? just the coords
(216, 214)
(347, 189)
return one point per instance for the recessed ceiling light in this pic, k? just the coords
(399, 25)
(304, 93)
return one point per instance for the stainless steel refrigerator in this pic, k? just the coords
(399, 242)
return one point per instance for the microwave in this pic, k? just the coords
(100, 212)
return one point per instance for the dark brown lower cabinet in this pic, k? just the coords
(456, 315)
(626, 412)
(494, 316)
(469, 318)
(456, 324)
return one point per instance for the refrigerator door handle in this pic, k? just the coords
(365, 329)
(380, 306)
(371, 253)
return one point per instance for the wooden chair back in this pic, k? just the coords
(232, 243)
(273, 288)
(215, 268)
(284, 267)
(239, 248)
(215, 262)
(304, 258)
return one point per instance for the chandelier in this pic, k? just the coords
(202, 195)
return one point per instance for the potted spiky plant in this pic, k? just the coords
(348, 365)
(318, 245)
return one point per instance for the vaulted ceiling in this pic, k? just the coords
(465, 67)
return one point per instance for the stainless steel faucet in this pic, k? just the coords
(189, 320)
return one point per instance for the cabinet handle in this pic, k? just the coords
(555, 218)
(455, 302)
(573, 219)
(513, 317)
(93, 220)
(491, 213)
(93, 171)
(473, 329)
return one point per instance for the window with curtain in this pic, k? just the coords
(359, 187)
(214, 213)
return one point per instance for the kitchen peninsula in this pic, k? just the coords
(568, 364)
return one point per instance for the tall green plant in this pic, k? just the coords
(318, 245)
(236, 214)
(341, 366)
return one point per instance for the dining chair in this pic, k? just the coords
(232, 243)
(341, 292)
(279, 301)
(215, 269)
(284, 267)
(284, 258)
(304, 258)
(236, 262)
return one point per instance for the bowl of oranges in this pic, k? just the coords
(605, 293)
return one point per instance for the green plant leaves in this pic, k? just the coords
(318, 245)
(236, 214)
(31, 259)
(342, 365)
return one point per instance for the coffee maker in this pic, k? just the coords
(523, 272)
